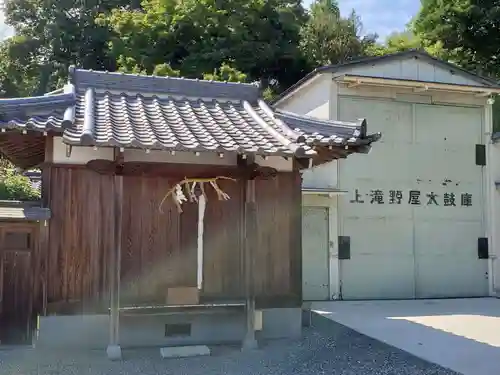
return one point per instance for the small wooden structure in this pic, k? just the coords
(20, 227)
(156, 184)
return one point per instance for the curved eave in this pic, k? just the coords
(329, 134)
(310, 124)
(333, 141)
(38, 124)
(39, 113)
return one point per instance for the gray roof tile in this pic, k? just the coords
(136, 83)
(123, 110)
(319, 132)
(31, 211)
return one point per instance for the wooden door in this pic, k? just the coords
(16, 284)
(315, 258)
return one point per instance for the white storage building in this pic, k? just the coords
(412, 220)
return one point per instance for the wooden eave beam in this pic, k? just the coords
(177, 170)
(23, 150)
(323, 155)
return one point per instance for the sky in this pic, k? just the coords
(4, 30)
(378, 16)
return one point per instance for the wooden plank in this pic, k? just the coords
(42, 252)
(115, 261)
(223, 244)
(159, 249)
(80, 234)
(250, 239)
(154, 257)
(15, 319)
(296, 238)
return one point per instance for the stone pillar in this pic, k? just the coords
(250, 241)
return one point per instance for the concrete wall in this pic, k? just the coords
(494, 212)
(315, 100)
(312, 96)
(413, 68)
(91, 331)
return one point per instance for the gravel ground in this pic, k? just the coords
(335, 350)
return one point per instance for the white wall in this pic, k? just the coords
(82, 155)
(493, 169)
(321, 98)
(416, 69)
(312, 100)
(315, 100)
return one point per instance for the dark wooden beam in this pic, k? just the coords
(171, 170)
(244, 161)
(296, 235)
(23, 150)
(115, 255)
(301, 163)
(49, 148)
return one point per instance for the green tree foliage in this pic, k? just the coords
(270, 41)
(196, 37)
(51, 36)
(468, 33)
(327, 38)
(407, 40)
(396, 42)
(226, 73)
(14, 186)
(467, 29)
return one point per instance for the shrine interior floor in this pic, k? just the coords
(459, 334)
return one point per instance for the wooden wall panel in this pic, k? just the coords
(159, 249)
(274, 215)
(80, 235)
(15, 316)
(223, 249)
(156, 253)
(19, 289)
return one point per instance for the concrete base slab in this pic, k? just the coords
(184, 351)
(114, 352)
(249, 344)
(91, 332)
(306, 318)
(460, 334)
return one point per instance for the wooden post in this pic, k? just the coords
(114, 350)
(250, 231)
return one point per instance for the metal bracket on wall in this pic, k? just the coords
(482, 248)
(344, 247)
(480, 155)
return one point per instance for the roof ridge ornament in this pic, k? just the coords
(285, 128)
(71, 73)
(165, 85)
(69, 113)
(88, 118)
(287, 142)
